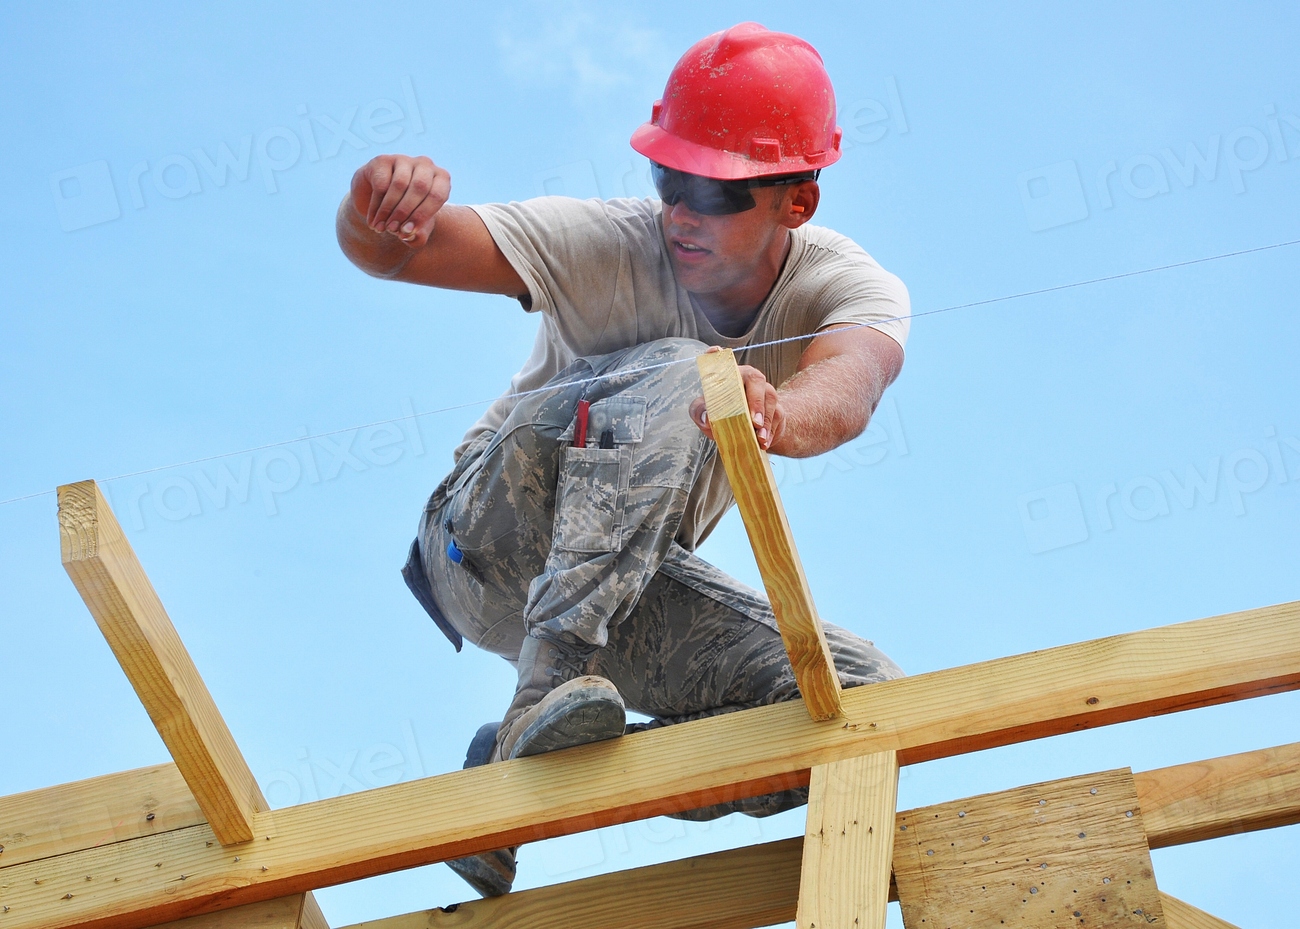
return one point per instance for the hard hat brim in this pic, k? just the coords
(673, 151)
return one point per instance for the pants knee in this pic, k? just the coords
(663, 350)
(858, 661)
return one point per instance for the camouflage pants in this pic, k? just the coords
(578, 543)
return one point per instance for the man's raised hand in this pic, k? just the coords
(401, 195)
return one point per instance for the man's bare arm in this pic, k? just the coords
(841, 378)
(829, 400)
(395, 223)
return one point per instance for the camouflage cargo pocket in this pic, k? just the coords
(590, 498)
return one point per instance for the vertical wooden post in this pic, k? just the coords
(848, 844)
(754, 488)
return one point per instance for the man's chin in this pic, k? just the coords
(694, 278)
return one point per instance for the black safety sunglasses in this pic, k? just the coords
(712, 197)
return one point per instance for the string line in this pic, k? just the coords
(624, 371)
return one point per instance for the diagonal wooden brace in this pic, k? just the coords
(754, 488)
(126, 607)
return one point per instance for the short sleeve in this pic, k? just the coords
(836, 283)
(567, 251)
(860, 292)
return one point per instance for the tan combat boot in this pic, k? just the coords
(557, 705)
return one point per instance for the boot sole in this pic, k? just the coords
(491, 874)
(583, 715)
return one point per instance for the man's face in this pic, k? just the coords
(716, 254)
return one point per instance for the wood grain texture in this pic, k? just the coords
(1049, 856)
(739, 889)
(1180, 915)
(754, 487)
(86, 814)
(119, 595)
(311, 916)
(1222, 796)
(280, 913)
(736, 889)
(679, 767)
(849, 843)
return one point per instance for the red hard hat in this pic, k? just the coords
(744, 103)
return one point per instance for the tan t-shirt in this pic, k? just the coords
(599, 273)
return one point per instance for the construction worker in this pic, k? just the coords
(563, 538)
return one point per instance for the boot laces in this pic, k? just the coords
(564, 664)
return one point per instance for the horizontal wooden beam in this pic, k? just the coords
(280, 913)
(737, 889)
(678, 767)
(754, 487)
(126, 607)
(86, 814)
(1222, 796)
(758, 885)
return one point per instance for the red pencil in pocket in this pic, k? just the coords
(580, 427)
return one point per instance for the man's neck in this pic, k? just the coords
(732, 311)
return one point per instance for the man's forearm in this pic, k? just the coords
(830, 402)
(377, 254)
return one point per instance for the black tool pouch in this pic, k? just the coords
(413, 574)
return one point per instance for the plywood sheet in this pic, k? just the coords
(1071, 853)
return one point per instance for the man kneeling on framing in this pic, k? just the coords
(563, 538)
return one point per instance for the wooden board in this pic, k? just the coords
(1060, 855)
(280, 913)
(311, 916)
(1180, 915)
(111, 581)
(85, 814)
(1222, 796)
(675, 768)
(849, 843)
(749, 887)
(754, 488)
(737, 889)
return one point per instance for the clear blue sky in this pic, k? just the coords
(1028, 482)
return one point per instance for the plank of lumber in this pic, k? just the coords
(280, 913)
(754, 487)
(681, 767)
(849, 843)
(742, 888)
(737, 889)
(85, 814)
(1222, 796)
(1180, 915)
(113, 584)
(311, 916)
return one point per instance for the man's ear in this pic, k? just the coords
(800, 203)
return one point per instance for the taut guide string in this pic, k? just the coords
(798, 338)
